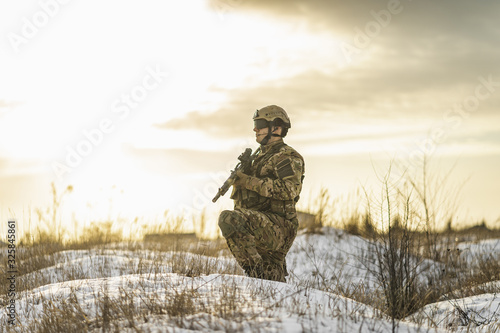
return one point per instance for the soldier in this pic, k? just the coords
(263, 225)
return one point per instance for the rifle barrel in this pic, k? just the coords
(216, 197)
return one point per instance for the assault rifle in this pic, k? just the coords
(246, 159)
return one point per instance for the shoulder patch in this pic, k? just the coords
(284, 168)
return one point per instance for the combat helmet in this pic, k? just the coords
(270, 113)
(270, 116)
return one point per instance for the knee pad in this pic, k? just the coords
(227, 223)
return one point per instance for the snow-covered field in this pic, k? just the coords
(151, 291)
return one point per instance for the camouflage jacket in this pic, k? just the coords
(275, 181)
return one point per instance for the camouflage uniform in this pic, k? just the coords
(263, 225)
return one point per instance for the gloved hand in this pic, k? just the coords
(240, 179)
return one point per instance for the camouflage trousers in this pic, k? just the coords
(259, 241)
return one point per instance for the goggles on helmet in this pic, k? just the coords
(260, 123)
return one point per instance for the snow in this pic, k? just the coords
(474, 251)
(265, 305)
(481, 312)
(163, 299)
(338, 258)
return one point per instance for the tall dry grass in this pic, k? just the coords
(400, 224)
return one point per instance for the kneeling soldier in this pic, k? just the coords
(263, 225)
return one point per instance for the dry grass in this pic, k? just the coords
(401, 226)
(187, 308)
(398, 225)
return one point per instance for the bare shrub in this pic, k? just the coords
(397, 264)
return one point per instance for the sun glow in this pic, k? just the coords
(79, 105)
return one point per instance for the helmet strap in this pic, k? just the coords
(269, 134)
(266, 138)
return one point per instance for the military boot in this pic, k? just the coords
(255, 271)
(274, 272)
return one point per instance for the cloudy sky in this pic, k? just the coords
(143, 106)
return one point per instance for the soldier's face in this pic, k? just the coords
(260, 134)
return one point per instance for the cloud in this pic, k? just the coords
(225, 122)
(423, 17)
(12, 167)
(4, 163)
(426, 60)
(391, 92)
(456, 37)
(180, 161)
(5, 106)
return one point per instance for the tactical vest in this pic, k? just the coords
(249, 199)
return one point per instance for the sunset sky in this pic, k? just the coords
(143, 106)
